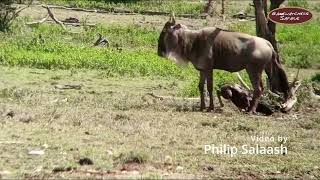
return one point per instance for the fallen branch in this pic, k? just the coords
(170, 97)
(68, 86)
(242, 81)
(11, 142)
(292, 99)
(38, 22)
(73, 24)
(53, 17)
(74, 9)
(242, 15)
(288, 105)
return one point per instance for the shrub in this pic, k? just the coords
(298, 3)
(8, 13)
(316, 78)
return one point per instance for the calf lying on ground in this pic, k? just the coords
(241, 98)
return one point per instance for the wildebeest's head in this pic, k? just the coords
(168, 43)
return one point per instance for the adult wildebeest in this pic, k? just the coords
(214, 48)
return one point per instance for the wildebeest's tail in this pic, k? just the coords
(278, 79)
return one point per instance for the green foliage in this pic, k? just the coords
(316, 78)
(299, 44)
(132, 51)
(245, 27)
(177, 6)
(316, 7)
(298, 3)
(7, 15)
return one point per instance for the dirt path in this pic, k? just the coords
(36, 12)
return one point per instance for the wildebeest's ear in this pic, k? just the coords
(171, 19)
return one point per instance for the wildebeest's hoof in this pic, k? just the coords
(252, 112)
(202, 109)
(210, 109)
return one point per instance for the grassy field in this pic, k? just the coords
(110, 117)
(132, 51)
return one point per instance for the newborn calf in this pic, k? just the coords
(241, 98)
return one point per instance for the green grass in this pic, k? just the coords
(177, 6)
(298, 3)
(132, 51)
(298, 44)
(135, 57)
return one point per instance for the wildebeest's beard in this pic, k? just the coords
(161, 45)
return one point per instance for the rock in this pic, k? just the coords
(168, 160)
(208, 168)
(25, 118)
(85, 161)
(45, 146)
(36, 152)
(179, 168)
(109, 152)
(134, 172)
(9, 113)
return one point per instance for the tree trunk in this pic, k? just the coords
(262, 29)
(266, 28)
(272, 26)
(208, 7)
(222, 7)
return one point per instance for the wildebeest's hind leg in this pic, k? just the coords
(202, 81)
(210, 89)
(255, 74)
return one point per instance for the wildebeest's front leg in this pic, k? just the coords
(255, 74)
(201, 89)
(210, 89)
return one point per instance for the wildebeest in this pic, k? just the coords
(241, 98)
(214, 48)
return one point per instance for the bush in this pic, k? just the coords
(316, 78)
(8, 14)
(298, 3)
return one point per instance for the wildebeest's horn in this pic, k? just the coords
(172, 20)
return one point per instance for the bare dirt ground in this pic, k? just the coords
(38, 12)
(110, 118)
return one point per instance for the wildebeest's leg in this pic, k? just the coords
(201, 89)
(255, 73)
(210, 89)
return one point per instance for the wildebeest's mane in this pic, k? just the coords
(225, 30)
